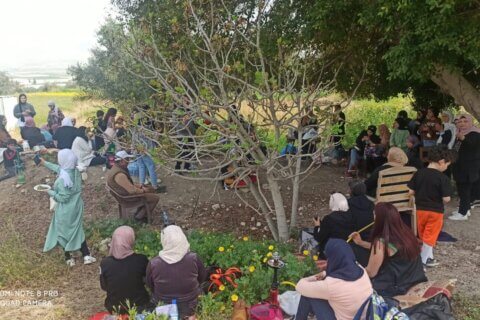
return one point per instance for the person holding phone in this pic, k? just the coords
(23, 108)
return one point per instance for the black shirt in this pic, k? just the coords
(430, 186)
(65, 136)
(338, 225)
(124, 280)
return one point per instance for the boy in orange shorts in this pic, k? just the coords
(432, 189)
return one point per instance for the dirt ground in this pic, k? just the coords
(78, 294)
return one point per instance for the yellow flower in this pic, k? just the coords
(245, 238)
(269, 254)
(306, 252)
(234, 298)
(231, 246)
(270, 247)
(221, 288)
(251, 268)
(221, 249)
(264, 260)
(315, 258)
(222, 308)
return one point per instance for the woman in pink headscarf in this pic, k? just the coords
(122, 274)
(466, 170)
(31, 133)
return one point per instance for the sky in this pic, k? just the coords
(53, 33)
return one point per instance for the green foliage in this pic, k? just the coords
(399, 42)
(466, 308)
(224, 251)
(362, 113)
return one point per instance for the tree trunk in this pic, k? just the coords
(459, 88)
(282, 225)
(264, 210)
(295, 193)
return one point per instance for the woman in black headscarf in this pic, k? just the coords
(339, 291)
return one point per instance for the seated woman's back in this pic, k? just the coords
(180, 280)
(394, 264)
(346, 284)
(122, 273)
(176, 273)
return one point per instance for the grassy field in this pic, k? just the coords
(68, 102)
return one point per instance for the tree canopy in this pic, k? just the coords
(406, 45)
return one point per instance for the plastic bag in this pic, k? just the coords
(289, 301)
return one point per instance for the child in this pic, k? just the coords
(432, 190)
(9, 156)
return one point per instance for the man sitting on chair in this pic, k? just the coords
(119, 180)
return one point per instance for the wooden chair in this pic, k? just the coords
(392, 188)
(129, 204)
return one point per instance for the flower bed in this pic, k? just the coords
(224, 251)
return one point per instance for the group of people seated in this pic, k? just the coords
(409, 144)
(175, 274)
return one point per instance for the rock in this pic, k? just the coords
(252, 219)
(253, 228)
(222, 206)
(265, 228)
(300, 209)
(265, 186)
(227, 209)
(259, 224)
(239, 205)
(205, 208)
(47, 180)
(310, 205)
(477, 248)
(216, 207)
(243, 224)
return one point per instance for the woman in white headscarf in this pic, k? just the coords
(176, 273)
(66, 227)
(448, 125)
(336, 224)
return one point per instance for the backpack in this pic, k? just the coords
(378, 309)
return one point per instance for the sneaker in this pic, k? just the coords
(468, 213)
(431, 263)
(475, 204)
(70, 262)
(458, 217)
(89, 260)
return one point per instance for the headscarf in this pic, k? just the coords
(397, 157)
(67, 160)
(175, 244)
(29, 122)
(338, 202)
(448, 126)
(55, 108)
(402, 123)
(357, 188)
(470, 126)
(67, 122)
(341, 261)
(123, 240)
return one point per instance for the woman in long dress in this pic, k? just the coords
(66, 227)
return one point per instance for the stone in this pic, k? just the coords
(252, 219)
(253, 228)
(259, 224)
(216, 207)
(243, 224)
(300, 209)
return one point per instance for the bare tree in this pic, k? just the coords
(226, 106)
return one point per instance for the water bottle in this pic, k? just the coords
(166, 220)
(174, 310)
(25, 145)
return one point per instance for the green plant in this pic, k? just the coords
(224, 251)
